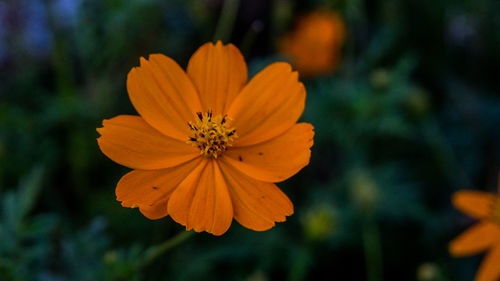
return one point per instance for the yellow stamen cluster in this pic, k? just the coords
(211, 134)
(495, 211)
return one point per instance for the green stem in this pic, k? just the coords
(302, 262)
(157, 250)
(250, 35)
(61, 57)
(373, 249)
(226, 21)
(444, 154)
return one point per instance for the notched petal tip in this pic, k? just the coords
(271, 224)
(99, 131)
(233, 47)
(203, 47)
(477, 204)
(127, 204)
(130, 78)
(282, 64)
(214, 233)
(156, 56)
(294, 76)
(143, 61)
(263, 228)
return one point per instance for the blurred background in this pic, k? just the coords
(404, 97)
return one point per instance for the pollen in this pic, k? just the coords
(495, 211)
(211, 134)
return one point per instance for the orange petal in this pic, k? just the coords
(156, 211)
(490, 267)
(202, 201)
(180, 201)
(146, 188)
(163, 95)
(257, 205)
(477, 204)
(277, 159)
(219, 73)
(270, 104)
(475, 240)
(130, 141)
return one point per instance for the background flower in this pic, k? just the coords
(314, 45)
(484, 236)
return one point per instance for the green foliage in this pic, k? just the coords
(23, 239)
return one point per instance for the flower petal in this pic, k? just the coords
(475, 240)
(146, 188)
(156, 211)
(130, 141)
(257, 205)
(277, 159)
(490, 269)
(202, 201)
(163, 95)
(270, 104)
(219, 73)
(477, 204)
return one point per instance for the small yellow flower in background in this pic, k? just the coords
(208, 146)
(320, 222)
(315, 43)
(482, 237)
(428, 272)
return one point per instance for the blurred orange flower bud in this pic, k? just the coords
(314, 44)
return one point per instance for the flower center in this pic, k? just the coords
(211, 134)
(495, 212)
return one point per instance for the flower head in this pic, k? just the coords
(484, 236)
(207, 146)
(315, 43)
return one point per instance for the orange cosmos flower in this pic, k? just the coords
(484, 236)
(315, 43)
(207, 146)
